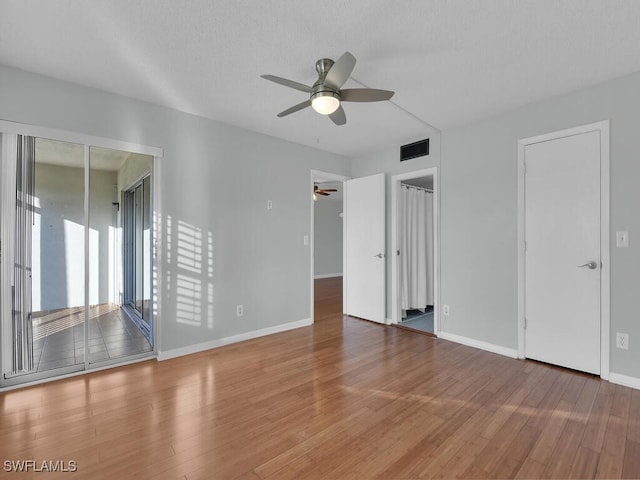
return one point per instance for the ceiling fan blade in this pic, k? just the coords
(287, 83)
(339, 117)
(365, 95)
(327, 190)
(295, 108)
(341, 69)
(319, 192)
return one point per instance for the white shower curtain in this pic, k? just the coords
(416, 248)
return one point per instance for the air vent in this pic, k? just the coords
(415, 149)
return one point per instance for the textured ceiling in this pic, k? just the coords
(450, 62)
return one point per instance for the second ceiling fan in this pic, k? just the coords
(325, 95)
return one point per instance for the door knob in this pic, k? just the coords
(379, 255)
(590, 265)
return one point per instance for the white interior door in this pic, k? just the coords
(364, 208)
(562, 258)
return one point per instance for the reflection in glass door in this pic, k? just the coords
(137, 253)
(43, 307)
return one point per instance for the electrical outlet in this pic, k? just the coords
(445, 309)
(269, 205)
(239, 310)
(622, 341)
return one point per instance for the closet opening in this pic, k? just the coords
(415, 266)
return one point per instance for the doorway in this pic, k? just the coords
(564, 251)
(327, 245)
(415, 266)
(62, 263)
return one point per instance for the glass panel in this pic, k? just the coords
(138, 247)
(58, 293)
(116, 252)
(146, 250)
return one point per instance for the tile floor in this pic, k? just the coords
(419, 320)
(58, 337)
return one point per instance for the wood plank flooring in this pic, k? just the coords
(342, 399)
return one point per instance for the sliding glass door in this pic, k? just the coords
(64, 257)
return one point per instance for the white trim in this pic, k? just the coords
(395, 242)
(75, 137)
(328, 275)
(605, 279)
(625, 380)
(470, 342)
(158, 226)
(87, 254)
(316, 175)
(200, 347)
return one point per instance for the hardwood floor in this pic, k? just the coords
(344, 398)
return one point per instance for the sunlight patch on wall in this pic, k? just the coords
(189, 300)
(194, 279)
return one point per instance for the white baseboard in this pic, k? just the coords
(199, 347)
(470, 342)
(328, 275)
(625, 380)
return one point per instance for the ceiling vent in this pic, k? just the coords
(415, 149)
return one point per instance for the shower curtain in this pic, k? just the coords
(416, 248)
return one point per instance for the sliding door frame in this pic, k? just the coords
(88, 141)
(129, 255)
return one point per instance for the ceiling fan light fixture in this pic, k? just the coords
(325, 102)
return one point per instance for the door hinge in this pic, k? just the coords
(398, 253)
(525, 323)
(525, 245)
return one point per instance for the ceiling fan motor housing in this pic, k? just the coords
(325, 98)
(320, 88)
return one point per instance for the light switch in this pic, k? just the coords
(622, 239)
(305, 240)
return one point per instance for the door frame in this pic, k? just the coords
(603, 128)
(317, 175)
(396, 180)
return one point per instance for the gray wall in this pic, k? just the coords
(479, 193)
(479, 213)
(327, 247)
(215, 183)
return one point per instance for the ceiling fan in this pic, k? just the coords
(325, 95)
(325, 192)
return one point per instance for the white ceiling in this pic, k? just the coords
(450, 62)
